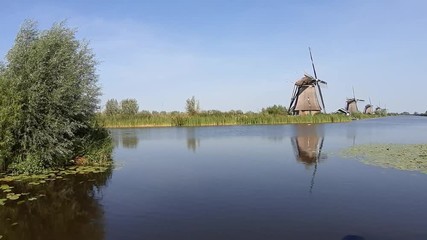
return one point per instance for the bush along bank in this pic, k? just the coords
(48, 99)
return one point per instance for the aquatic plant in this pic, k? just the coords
(61, 198)
(410, 157)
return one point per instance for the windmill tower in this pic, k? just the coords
(351, 104)
(369, 108)
(305, 99)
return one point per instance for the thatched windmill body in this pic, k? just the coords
(369, 108)
(305, 100)
(351, 104)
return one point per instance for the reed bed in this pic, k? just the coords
(182, 119)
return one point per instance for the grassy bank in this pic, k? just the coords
(182, 119)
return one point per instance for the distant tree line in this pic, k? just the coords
(130, 106)
(125, 107)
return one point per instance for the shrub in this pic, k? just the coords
(48, 101)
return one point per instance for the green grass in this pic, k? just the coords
(221, 119)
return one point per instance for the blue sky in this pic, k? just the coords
(244, 54)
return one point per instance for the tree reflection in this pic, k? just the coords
(129, 138)
(65, 208)
(308, 143)
(192, 142)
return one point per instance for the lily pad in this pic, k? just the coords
(13, 196)
(409, 157)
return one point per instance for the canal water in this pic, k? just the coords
(235, 182)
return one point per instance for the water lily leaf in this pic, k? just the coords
(13, 196)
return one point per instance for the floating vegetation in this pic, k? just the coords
(7, 193)
(409, 157)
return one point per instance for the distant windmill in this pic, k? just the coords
(369, 108)
(351, 104)
(304, 99)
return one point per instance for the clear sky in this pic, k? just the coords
(244, 54)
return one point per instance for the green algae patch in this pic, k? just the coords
(408, 157)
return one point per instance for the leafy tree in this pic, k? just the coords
(112, 107)
(275, 110)
(129, 106)
(49, 96)
(192, 106)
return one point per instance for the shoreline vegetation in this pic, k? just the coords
(408, 157)
(48, 102)
(144, 120)
(126, 114)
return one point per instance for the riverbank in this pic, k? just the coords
(181, 119)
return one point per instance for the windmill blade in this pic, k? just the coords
(354, 95)
(312, 63)
(360, 100)
(323, 82)
(321, 98)
(313, 176)
(320, 148)
(292, 99)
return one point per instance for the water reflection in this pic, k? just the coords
(192, 141)
(307, 142)
(353, 237)
(129, 138)
(65, 208)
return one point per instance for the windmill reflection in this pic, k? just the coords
(308, 143)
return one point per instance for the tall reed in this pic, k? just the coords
(217, 119)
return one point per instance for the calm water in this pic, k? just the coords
(235, 182)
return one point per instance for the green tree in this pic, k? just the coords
(275, 110)
(192, 106)
(48, 101)
(129, 106)
(112, 107)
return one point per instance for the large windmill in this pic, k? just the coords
(351, 104)
(305, 99)
(369, 108)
